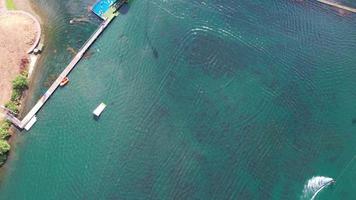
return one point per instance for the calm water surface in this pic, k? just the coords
(207, 99)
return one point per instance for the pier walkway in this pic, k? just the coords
(337, 5)
(65, 73)
(107, 13)
(21, 124)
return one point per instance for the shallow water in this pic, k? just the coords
(206, 100)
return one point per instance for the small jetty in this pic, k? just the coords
(107, 11)
(338, 5)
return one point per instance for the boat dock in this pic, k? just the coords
(337, 5)
(107, 15)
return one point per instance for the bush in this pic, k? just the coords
(12, 106)
(4, 147)
(4, 133)
(10, 5)
(16, 95)
(5, 124)
(20, 83)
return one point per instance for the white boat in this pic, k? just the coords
(98, 110)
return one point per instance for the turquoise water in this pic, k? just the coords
(206, 100)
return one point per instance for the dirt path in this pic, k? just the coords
(2, 5)
(18, 32)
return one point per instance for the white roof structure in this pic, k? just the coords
(97, 112)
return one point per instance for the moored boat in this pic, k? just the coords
(64, 81)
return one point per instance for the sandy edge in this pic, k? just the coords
(24, 7)
(28, 7)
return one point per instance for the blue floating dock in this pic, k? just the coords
(102, 6)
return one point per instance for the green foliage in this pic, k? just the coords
(5, 124)
(4, 133)
(4, 147)
(16, 95)
(20, 83)
(4, 129)
(12, 106)
(10, 5)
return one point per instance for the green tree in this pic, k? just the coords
(16, 95)
(5, 124)
(4, 129)
(4, 147)
(20, 83)
(4, 133)
(12, 106)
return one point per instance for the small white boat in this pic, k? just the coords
(97, 112)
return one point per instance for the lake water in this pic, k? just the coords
(207, 99)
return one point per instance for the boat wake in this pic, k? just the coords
(315, 185)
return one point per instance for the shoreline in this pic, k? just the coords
(25, 7)
(30, 8)
(35, 67)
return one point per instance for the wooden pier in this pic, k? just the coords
(337, 5)
(64, 74)
(32, 114)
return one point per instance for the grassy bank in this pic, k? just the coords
(10, 5)
(4, 145)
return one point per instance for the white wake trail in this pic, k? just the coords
(315, 185)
